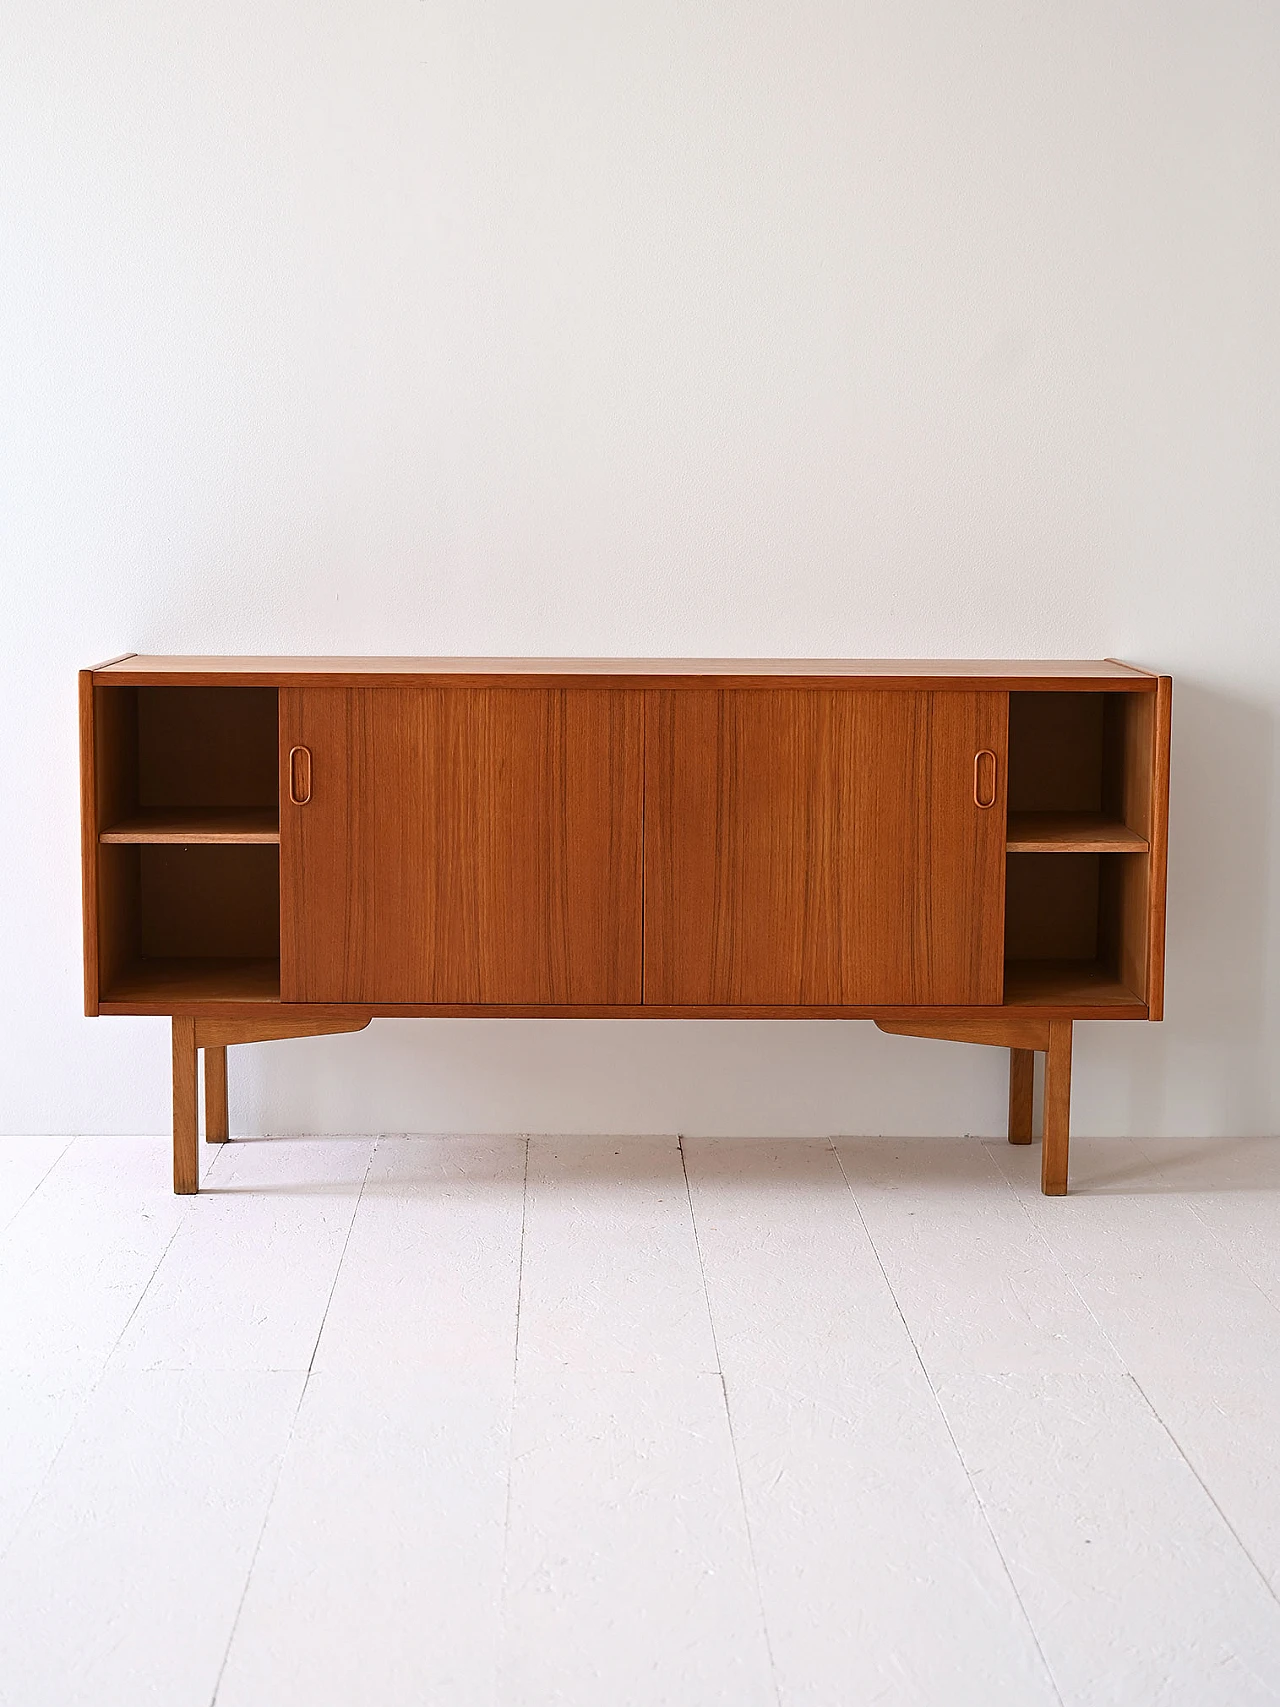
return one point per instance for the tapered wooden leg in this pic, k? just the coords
(216, 1126)
(1022, 1069)
(1057, 1110)
(186, 1111)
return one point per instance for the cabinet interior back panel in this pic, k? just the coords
(206, 746)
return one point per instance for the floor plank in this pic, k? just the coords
(1231, 1185)
(37, 1413)
(879, 1575)
(977, 1283)
(246, 1282)
(431, 1273)
(24, 1162)
(81, 1252)
(122, 1584)
(1222, 1413)
(379, 1574)
(628, 1577)
(1139, 1256)
(611, 1277)
(1136, 1587)
(833, 1422)
(796, 1290)
(1224, 1424)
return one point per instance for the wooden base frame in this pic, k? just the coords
(1022, 1071)
(216, 1125)
(214, 1036)
(1023, 1038)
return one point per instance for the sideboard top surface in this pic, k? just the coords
(1050, 674)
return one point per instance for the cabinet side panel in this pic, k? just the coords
(1139, 714)
(88, 844)
(1158, 836)
(1136, 792)
(1124, 913)
(109, 792)
(115, 745)
(1130, 878)
(119, 915)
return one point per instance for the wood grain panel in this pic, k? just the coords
(1056, 751)
(1133, 895)
(210, 989)
(822, 846)
(202, 984)
(1015, 1032)
(115, 742)
(186, 1109)
(463, 845)
(188, 825)
(1123, 892)
(119, 885)
(1051, 906)
(217, 1125)
(89, 897)
(1082, 989)
(1158, 832)
(1056, 1141)
(209, 901)
(206, 746)
(214, 1034)
(108, 783)
(1022, 1069)
(1071, 832)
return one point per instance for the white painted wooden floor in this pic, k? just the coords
(423, 1422)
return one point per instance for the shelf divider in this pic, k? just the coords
(192, 824)
(1071, 832)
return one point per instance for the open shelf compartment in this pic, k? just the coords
(188, 892)
(172, 981)
(1070, 984)
(1077, 887)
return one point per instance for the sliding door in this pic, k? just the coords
(460, 845)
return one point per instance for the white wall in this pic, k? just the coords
(870, 327)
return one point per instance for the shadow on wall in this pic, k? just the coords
(754, 1078)
(1206, 1071)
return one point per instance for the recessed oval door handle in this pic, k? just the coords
(299, 775)
(984, 778)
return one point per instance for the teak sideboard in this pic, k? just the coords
(290, 847)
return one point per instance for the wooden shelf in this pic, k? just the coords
(1069, 984)
(157, 983)
(197, 824)
(1071, 832)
